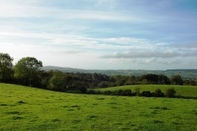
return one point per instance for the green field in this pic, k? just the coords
(185, 91)
(25, 108)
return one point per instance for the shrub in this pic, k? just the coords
(91, 92)
(146, 93)
(117, 92)
(126, 93)
(107, 92)
(176, 80)
(82, 89)
(137, 90)
(170, 92)
(158, 93)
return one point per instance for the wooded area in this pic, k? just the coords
(27, 71)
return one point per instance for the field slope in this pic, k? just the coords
(25, 108)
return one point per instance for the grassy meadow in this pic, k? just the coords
(24, 108)
(185, 91)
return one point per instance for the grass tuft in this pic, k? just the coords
(13, 112)
(113, 103)
(55, 120)
(17, 118)
(91, 117)
(100, 98)
(157, 121)
(3, 105)
(65, 106)
(20, 102)
(75, 106)
(76, 121)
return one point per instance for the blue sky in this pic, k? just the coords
(101, 34)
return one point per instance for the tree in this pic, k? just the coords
(137, 91)
(151, 78)
(82, 88)
(5, 67)
(130, 80)
(146, 93)
(162, 79)
(58, 81)
(170, 92)
(158, 93)
(26, 70)
(176, 79)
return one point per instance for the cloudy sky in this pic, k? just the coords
(101, 34)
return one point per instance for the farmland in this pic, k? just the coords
(25, 108)
(184, 91)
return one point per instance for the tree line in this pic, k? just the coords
(157, 93)
(27, 71)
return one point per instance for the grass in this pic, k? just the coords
(185, 91)
(24, 108)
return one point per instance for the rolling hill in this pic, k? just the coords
(32, 109)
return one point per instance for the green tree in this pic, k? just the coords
(26, 70)
(150, 78)
(5, 67)
(177, 80)
(170, 92)
(130, 80)
(58, 81)
(159, 93)
(80, 86)
(137, 91)
(162, 79)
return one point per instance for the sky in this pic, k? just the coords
(101, 34)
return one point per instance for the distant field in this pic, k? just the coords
(25, 108)
(186, 91)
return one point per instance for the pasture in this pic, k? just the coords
(184, 91)
(24, 108)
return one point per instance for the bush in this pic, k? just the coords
(90, 92)
(82, 89)
(176, 80)
(137, 91)
(107, 92)
(158, 93)
(170, 92)
(126, 93)
(146, 93)
(117, 92)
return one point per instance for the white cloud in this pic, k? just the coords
(109, 4)
(171, 62)
(105, 31)
(142, 54)
(125, 40)
(12, 9)
(145, 63)
(68, 52)
(193, 63)
(190, 54)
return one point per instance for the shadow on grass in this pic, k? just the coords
(186, 97)
(3, 104)
(17, 118)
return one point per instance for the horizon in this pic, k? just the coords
(118, 69)
(101, 34)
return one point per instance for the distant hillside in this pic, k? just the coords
(185, 73)
(64, 69)
(188, 70)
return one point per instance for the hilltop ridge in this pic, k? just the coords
(185, 73)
